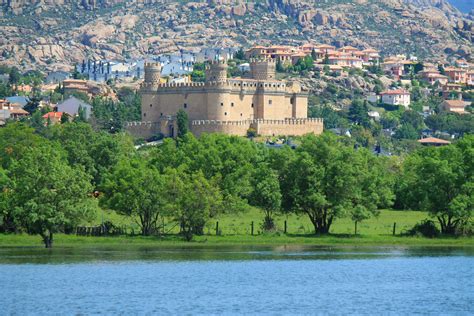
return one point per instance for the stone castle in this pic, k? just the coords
(225, 105)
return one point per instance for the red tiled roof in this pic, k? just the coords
(433, 140)
(53, 115)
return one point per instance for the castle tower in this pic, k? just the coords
(152, 73)
(216, 71)
(263, 69)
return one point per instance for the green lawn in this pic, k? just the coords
(240, 224)
(235, 230)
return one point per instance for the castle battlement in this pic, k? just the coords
(233, 84)
(140, 123)
(287, 121)
(263, 59)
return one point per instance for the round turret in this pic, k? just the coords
(216, 72)
(152, 73)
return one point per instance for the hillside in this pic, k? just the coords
(55, 34)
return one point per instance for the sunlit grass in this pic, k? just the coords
(235, 230)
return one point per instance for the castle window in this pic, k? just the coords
(222, 104)
(225, 113)
(252, 104)
(185, 105)
(240, 114)
(232, 104)
(144, 114)
(151, 105)
(269, 102)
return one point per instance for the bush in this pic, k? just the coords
(426, 228)
(251, 133)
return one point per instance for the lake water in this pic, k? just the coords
(237, 280)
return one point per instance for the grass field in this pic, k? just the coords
(235, 230)
(240, 224)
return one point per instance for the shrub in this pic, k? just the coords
(426, 228)
(251, 132)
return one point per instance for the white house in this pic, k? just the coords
(396, 97)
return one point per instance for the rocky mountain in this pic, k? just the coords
(56, 34)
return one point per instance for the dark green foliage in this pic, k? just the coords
(451, 123)
(440, 180)
(332, 118)
(137, 190)
(60, 194)
(358, 113)
(327, 178)
(14, 76)
(111, 115)
(182, 122)
(251, 133)
(426, 228)
(266, 194)
(240, 54)
(406, 131)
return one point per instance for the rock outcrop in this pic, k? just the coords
(55, 33)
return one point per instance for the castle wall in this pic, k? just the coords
(292, 127)
(143, 129)
(236, 128)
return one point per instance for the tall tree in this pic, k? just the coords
(193, 201)
(266, 194)
(136, 190)
(48, 194)
(327, 179)
(358, 113)
(182, 121)
(441, 182)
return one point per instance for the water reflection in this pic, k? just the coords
(219, 253)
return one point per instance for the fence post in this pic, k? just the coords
(217, 228)
(251, 228)
(285, 227)
(394, 227)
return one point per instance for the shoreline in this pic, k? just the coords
(62, 241)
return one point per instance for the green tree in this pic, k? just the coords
(406, 131)
(328, 178)
(266, 194)
(14, 75)
(358, 113)
(182, 122)
(240, 54)
(193, 201)
(6, 216)
(64, 118)
(137, 190)
(440, 180)
(48, 194)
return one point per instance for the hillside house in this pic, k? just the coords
(456, 75)
(454, 106)
(11, 110)
(396, 97)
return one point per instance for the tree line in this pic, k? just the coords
(59, 177)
